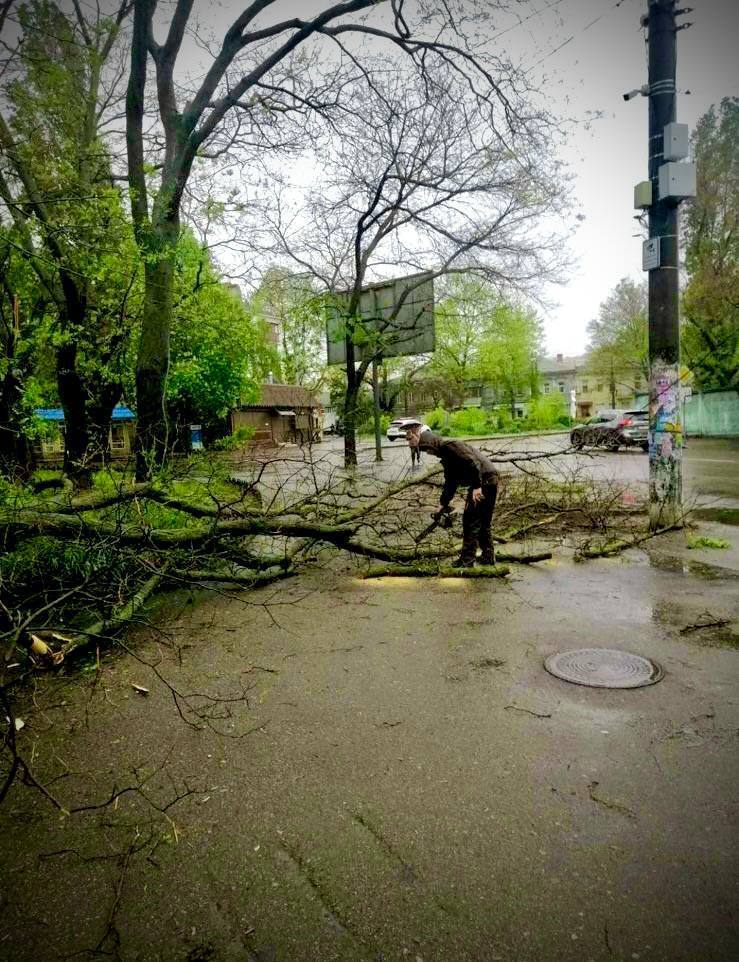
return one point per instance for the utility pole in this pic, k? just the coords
(668, 184)
(376, 408)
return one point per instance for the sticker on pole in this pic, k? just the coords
(650, 254)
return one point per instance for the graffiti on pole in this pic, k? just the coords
(665, 436)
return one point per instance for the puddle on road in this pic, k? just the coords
(693, 623)
(699, 568)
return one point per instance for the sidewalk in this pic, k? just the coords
(406, 783)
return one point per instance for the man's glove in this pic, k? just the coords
(443, 516)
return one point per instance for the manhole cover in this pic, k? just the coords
(604, 668)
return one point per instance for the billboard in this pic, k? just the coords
(395, 318)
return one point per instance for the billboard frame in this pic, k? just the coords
(396, 315)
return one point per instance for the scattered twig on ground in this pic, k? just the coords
(528, 711)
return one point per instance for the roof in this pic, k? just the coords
(283, 396)
(553, 365)
(120, 413)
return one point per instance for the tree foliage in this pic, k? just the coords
(711, 237)
(482, 336)
(291, 303)
(220, 352)
(619, 345)
(67, 215)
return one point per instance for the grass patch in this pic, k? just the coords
(704, 542)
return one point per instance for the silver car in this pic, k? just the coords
(397, 428)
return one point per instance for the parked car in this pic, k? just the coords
(612, 429)
(397, 428)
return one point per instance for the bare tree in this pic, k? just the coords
(263, 70)
(424, 176)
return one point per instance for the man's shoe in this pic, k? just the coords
(463, 562)
(487, 558)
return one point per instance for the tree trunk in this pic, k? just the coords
(16, 455)
(100, 413)
(76, 429)
(350, 406)
(153, 354)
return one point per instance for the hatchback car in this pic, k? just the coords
(397, 429)
(612, 429)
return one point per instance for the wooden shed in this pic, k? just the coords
(49, 448)
(284, 414)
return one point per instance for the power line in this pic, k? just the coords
(536, 13)
(577, 34)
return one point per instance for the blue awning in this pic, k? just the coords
(120, 413)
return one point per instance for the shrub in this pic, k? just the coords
(546, 411)
(436, 419)
(470, 421)
(239, 439)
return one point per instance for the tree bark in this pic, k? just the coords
(16, 454)
(152, 364)
(350, 406)
(76, 430)
(103, 398)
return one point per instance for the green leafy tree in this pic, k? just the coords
(508, 350)
(220, 352)
(22, 311)
(290, 303)
(484, 338)
(461, 323)
(67, 214)
(619, 342)
(711, 241)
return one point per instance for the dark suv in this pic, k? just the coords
(612, 430)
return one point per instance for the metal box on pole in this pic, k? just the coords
(676, 141)
(676, 181)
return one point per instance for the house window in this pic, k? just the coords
(584, 386)
(117, 437)
(561, 387)
(547, 387)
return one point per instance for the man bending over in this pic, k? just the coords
(464, 465)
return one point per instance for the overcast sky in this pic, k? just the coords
(592, 72)
(586, 54)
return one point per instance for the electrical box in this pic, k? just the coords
(676, 142)
(676, 181)
(643, 194)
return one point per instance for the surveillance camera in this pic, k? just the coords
(643, 90)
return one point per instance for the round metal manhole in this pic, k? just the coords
(604, 668)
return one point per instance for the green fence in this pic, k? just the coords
(712, 415)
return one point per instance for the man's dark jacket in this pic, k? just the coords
(462, 463)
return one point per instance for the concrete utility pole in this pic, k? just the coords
(376, 408)
(669, 183)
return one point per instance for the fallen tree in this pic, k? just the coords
(78, 570)
(85, 566)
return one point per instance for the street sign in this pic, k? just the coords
(395, 318)
(650, 254)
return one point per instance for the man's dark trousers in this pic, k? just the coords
(477, 521)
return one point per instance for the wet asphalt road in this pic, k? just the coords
(382, 771)
(711, 465)
(388, 774)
